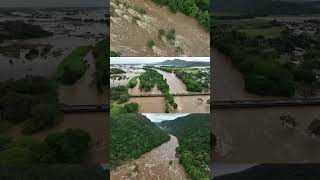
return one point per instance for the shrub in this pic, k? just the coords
(314, 127)
(288, 120)
(171, 35)
(150, 44)
(161, 33)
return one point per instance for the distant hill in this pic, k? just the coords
(277, 172)
(132, 135)
(265, 7)
(179, 62)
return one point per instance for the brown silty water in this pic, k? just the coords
(228, 82)
(256, 135)
(67, 36)
(84, 91)
(159, 164)
(130, 37)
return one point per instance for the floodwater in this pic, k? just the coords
(228, 82)
(84, 91)
(175, 84)
(256, 135)
(67, 36)
(96, 124)
(161, 163)
(150, 104)
(193, 104)
(130, 37)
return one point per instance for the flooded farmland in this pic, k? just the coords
(160, 163)
(68, 33)
(130, 31)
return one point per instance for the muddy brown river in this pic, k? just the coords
(130, 36)
(159, 164)
(228, 82)
(84, 91)
(256, 135)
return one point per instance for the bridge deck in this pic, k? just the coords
(85, 108)
(174, 94)
(265, 103)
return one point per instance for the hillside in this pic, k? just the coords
(132, 135)
(192, 132)
(277, 172)
(265, 7)
(179, 62)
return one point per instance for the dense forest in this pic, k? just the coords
(270, 59)
(193, 135)
(132, 135)
(53, 172)
(276, 172)
(70, 146)
(193, 8)
(32, 101)
(150, 79)
(265, 7)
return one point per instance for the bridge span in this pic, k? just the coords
(174, 94)
(265, 103)
(84, 108)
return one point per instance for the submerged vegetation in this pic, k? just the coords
(132, 135)
(73, 66)
(11, 30)
(193, 134)
(119, 98)
(150, 79)
(133, 82)
(32, 100)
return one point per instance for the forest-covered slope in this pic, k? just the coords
(193, 134)
(132, 135)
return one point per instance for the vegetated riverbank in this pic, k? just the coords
(196, 80)
(152, 78)
(193, 134)
(277, 58)
(154, 30)
(132, 135)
